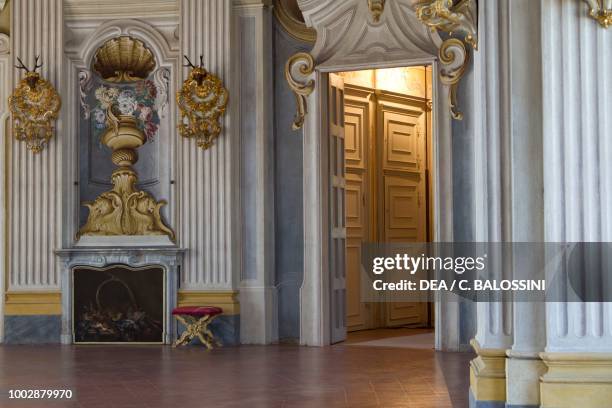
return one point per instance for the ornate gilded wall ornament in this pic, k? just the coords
(297, 70)
(202, 100)
(453, 18)
(34, 105)
(601, 10)
(124, 59)
(376, 8)
(124, 210)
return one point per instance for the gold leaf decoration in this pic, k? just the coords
(297, 70)
(124, 59)
(601, 13)
(452, 17)
(124, 210)
(202, 100)
(34, 105)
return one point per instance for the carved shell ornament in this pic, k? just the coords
(34, 105)
(124, 59)
(202, 100)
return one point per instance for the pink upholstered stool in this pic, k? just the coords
(196, 320)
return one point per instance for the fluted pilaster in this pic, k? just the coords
(34, 188)
(577, 61)
(207, 205)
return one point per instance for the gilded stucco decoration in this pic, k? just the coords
(297, 71)
(455, 18)
(601, 10)
(202, 101)
(124, 210)
(376, 8)
(290, 17)
(125, 117)
(124, 59)
(34, 105)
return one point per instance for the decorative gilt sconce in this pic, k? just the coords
(601, 10)
(202, 101)
(297, 68)
(452, 18)
(35, 105)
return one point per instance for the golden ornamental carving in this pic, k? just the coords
(290, 17)
(297, 70)
(376, 8)
(34, 105)
(202, 100)
(124, 210)
(600, 11)
(124, 59)
(453, 18)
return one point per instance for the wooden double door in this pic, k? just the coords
(386, 192)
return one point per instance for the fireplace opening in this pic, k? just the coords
(118, 304)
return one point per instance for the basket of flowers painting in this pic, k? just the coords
(138, 100)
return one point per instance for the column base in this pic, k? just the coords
(259, 315)
(576, 380)
(523, 371)
(487, 377)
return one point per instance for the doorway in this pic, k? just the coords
(387, 136)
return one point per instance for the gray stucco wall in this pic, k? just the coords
(463, 193)
(288, 192)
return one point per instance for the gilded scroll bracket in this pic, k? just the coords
(298, 69)
(456, 19)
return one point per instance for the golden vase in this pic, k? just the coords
(124, 210)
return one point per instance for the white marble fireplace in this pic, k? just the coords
(168, 258)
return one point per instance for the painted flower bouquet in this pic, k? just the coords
(136, 100)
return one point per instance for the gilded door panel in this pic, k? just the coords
(402, 124)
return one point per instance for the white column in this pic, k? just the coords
(206, 200)
(35, 180)
(492, 192)
(254, 109)
(524, 366)
(5, 88)
(577, 61)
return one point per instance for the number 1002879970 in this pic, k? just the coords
(40, 394)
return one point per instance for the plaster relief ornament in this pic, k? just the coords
(452, 17)
(376, 8)
(124, 59)
(298, 69)
(202, 100)
(34, 105)
(124, 114)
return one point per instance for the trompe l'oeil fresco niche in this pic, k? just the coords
(123, 180)
(118, 304)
